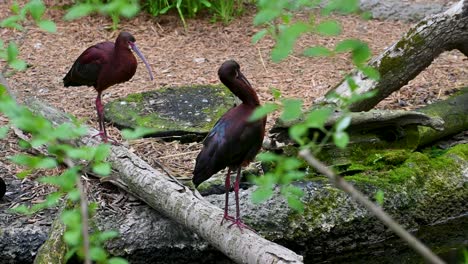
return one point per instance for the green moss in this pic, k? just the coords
(174, 110)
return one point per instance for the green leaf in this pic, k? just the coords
(12, 51)
(102, 152)
(106, 235)
(102, 168)
(98, 254)
(47, 25)
(71, 217)
(267, 156)
(138, 132)
(295, 204)
(4, 131)
(15, 8)
(318, 117)
(12, 22)
(266, 15)
(318, 51)
(298, 131)
(286, 40)
(341, 139)
(79, 10)
(366, 15)
(328, 28)
(36, 9)
(370, 72)
(379, 197)
(348, 45)
(276, 93)
(74, 195)
(291, 109)
(262, 111)
(291, 163)
(53, 199)
(21, 209)
(261, 195)
(72, 236)
(361, 54)
(343, 123)
(117, 260)
(351, 83)
(259, 35)
(19, 65)
(34, 162)
(130, 10)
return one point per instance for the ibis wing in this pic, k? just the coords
(86, 69)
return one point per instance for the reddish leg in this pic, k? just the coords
(102, 127)
(238, 222)
(227, 186)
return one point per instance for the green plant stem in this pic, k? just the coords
(339, 182)
(84, 213)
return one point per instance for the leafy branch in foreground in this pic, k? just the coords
(44, 136)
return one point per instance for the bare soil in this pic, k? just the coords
(173, 52)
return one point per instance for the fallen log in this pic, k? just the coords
(406, 58)
(176, 201)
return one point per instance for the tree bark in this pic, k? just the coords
(176, 201)
(406, 58)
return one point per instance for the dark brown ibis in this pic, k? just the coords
(104, 65)
(234, 141)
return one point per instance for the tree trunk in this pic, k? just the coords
(165, 194)
(406, 58)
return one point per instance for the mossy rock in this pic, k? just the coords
(186, 112)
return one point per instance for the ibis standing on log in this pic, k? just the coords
(104, 65)
(234, 141)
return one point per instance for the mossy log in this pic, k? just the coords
(176, 201)
(54, 248)
(406, 58)
(390, 129)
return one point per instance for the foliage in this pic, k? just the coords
(223, 10)
(113, 8)
(277, 18)
(36, 9)
(43, 134)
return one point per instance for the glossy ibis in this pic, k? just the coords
(234, 141)
(2, 188)
(104, 65)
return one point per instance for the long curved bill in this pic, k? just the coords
(138, 52)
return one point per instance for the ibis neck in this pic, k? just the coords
(244, 91)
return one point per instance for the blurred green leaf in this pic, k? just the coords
(328, 28)
(276, 93)
(4, 131)
(21, 209)
(74, 195)
(12, 22)
(36, 8)
(341, 139)
(291, 163)
(117, 260)
(138, 132)
(291, 109)
(47, 25)
(298, 131)
(266, 15)
(370, 72)
(79, 10)
(102, 152)
(295, 204)
(261, 194)
(130, 10)
(262, 111)
(343, 123)
(318, 51)
(106, 235)
(318, 117)
(259, 35)
(12, 51)
(72, 236)
(98, 254)
(102, 168)
(19, 65)
(379, 197)
(34, 162)
(267, 156)
(286, 40)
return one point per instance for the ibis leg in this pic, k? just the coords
(238, 222)
(100, 114)
(227, 186)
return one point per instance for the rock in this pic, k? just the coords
(186, 113)
(401, 10)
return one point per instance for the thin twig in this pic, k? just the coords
(261, 59)
(339, 182)
(179, 154)
(84, 214)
